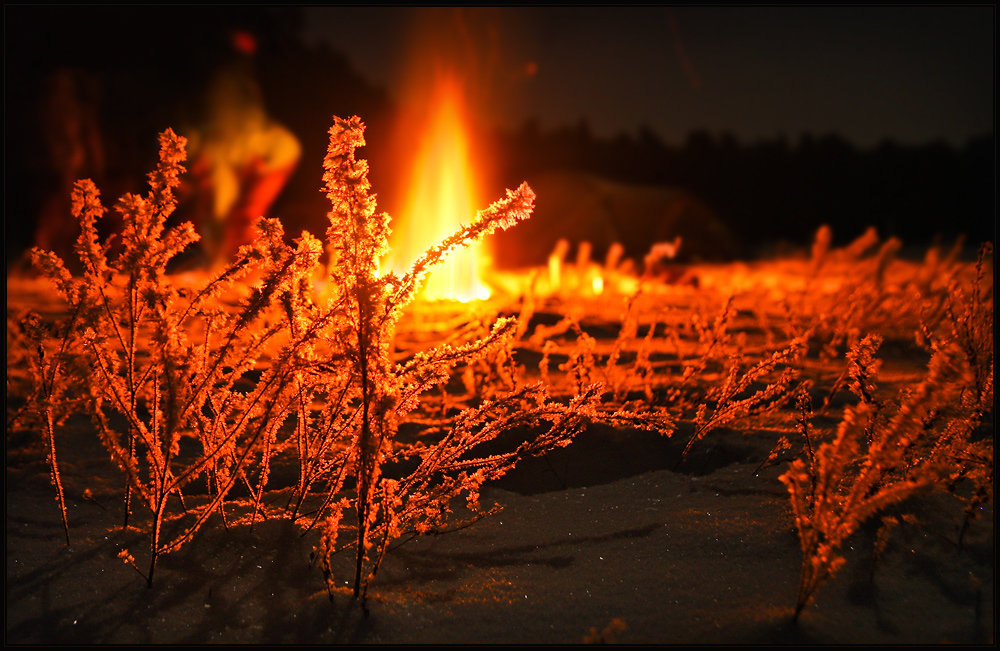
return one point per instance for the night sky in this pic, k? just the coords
(910, 74)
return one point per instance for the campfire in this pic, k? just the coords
(443, 196)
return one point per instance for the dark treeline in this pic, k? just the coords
(779, 190)
(139, 70)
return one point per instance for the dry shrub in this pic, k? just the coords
(381, 393)
(209, 384)
(879, 459)
(166, 405)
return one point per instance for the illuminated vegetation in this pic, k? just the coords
(197, 392)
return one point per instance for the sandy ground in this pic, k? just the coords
(612, 534)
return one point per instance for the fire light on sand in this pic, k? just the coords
(442, 196)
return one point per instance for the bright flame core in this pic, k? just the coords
(442, 198)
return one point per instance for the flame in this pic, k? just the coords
(442, 197)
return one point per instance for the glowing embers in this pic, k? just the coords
(442, 197)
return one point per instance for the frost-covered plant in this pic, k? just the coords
(363, 321)
(388, 505)
(53, 385)
(617, 376)
(967, 333)
(166, 406)
(495, 372)
(870, 464)
(711, 349)
(971, 320)
(857, 295)
(381, 393)
(736, 397)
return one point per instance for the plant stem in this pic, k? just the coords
(53, 466)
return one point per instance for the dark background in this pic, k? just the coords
(144, 69)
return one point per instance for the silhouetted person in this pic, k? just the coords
(240, 158)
